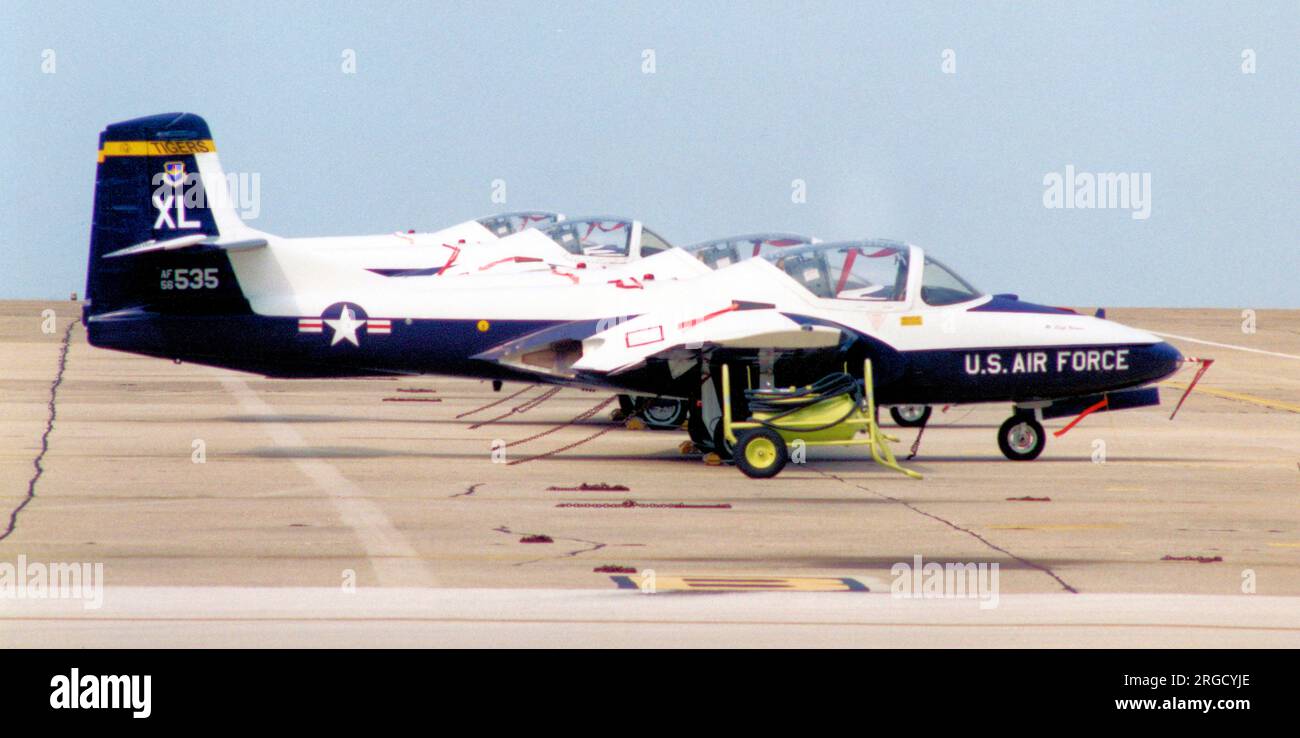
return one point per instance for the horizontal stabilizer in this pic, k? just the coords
(188, 242)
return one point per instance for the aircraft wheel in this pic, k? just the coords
(1021, 438)
(699, 433)
(721, 446)
(910, 416)
(761, 453)
(664, 414)
(627, 404)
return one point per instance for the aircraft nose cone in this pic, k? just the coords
(1163, 359)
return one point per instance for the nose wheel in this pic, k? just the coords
(1021, 438)
(910, 416)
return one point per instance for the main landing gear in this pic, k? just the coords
(658, 413)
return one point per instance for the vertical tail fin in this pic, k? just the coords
(161, 205)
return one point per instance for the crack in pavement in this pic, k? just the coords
(468, 490)
(593, 546)
(956, 527)
(45, 437)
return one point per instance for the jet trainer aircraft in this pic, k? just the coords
(173, 273)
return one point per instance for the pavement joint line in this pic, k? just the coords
(392, 557)
(37, 464)
(644, 621)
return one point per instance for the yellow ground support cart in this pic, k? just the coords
(830, 412)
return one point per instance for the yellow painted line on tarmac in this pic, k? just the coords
(1291, 544)
(1080, 526)
(1275, 404)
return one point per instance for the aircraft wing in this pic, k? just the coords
(750, 305)
(735, 324)
(592, 348)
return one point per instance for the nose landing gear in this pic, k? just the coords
(910, 416)
(1021, 438)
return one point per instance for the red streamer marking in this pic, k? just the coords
(598, 225)
(696, 321)
(1103, 403)
(1205, 365)
(509, 260)
(555, 270)
(844, 271)
(455, 252)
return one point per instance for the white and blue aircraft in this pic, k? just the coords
(173, 273)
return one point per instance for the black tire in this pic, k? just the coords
(721, 446)
(627, 405)
(664, 413)
(910, 421)
(1021, 438)
(699, 433)
(761, 453)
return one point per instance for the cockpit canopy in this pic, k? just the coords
(724, 251)
(606, 237)
(507, 223)
(876, 270)
(592, 236)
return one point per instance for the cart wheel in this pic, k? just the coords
(1021, 438)
(761, 453)
(910, 416)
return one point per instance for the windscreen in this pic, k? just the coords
(941, 286)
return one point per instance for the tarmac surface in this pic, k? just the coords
(232, 510)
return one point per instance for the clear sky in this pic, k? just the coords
(554, 99)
